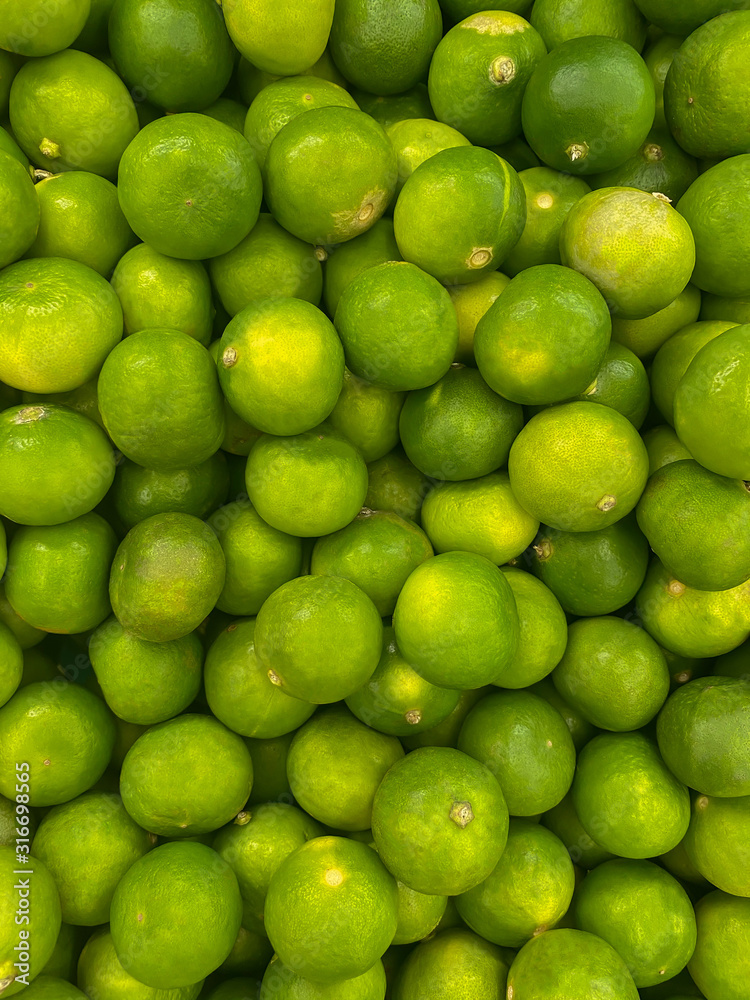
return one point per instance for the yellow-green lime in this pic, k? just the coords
(375, 246)
(368, 415)
(418, 915)
(471, 302)
(563, 821)
(453, 961)
(387, 111)
(7, 143)
(11, 663)
(645, 336)
(26, 634)
(281, 38)
(228, 111)
(720, 965)
(21, 210)
(717, 841)
(558, 20)
(663, 446)
(622, 383)
(32, 29)
(445, 733)
(26, 946)
(658, 56)
(395, 484)
(99, 970)
(658, 166)
(280, 982)
(543, 630)
(729, 309)
(416, 140)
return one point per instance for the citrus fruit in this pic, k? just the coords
(166, 576)
(455, 961)
(368, 415)
(11, 663)
(622, 383)
(459, 428)
(415, 140)
(269, 263)
(281, 365)
(353, 198)
(7, 143)
(588, 105)
(701, 732)
(544, 339)
(228, 111)
(145, 682)
(48, 987)
(26, 945)
(259, 558)
(175, 915)
(99, 970)
(711, 405)
(69, 111)
(281, 38)
(562, 469)
(479, 73)
(643, 912)
(21, 210)
(717, 842)
(439, 821)
(459, 214)
(375, 246)
(189, 186)
(335, 765)
(685, 19)
(282, 983)
(658, 166)
(395, 484)
(715, 208)
(478, 515)
(613, 673)
(167, 787)
(645, 336)
(637, 250)
(160, 292)
(10, 63)
(160, 400)
(690, 517)
(471, 302)
(377, 551)
(627, 798)
(93, 833)
(720, 965)
(558, 20)
(331, 909)
(396, 700)
(57, 574)
(464, 650)
(284, 474)
(58, 322)
(526, 744)
(398, 326)
(293, 638)
(393, 108)
(729, 309)
(543, 631)
(528, 892)
(418, 915)
(54, 464)
(658, 56)
(33, 29)
(563, 821)
(188, 43)
(445, 733)
(64, 732)
(26, 635)
(663, 446)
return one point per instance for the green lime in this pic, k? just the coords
(292, 638)
(249, 956)
(189, 186)
(717, 842)
(543, 630)
(622, 383)
(83, 400)
(729, 309)
(578, 467)
(353, 198)
(368, 415)
(58, 322)
(678, 863)
(26, 634)
(526, 744)
(11, 664)
(35, 29)
(637, 250)
(457, 10)
(558, 20)
(283, 39)
(459, 214)
(454, 964)
(440, 821)
(471, 302)
(21, 215)
(377, 551)
(64, 958)
(588, 105)
(461, 651)
(735, 663)
(10, 63)
(54, 464)
(145, 682)
(627, 798)
(398, 326)
(159, 292)
(445, 733)
(673, 360)
(645, 336)
(658, 56)
(64, 732)
(280, 982)
(479, 73)
(415, 140)
(270, 783)
(659, 165)
(228, 111)
(563, 821)
(721, 961)
(663, 446)
(7, 143)
(175, 915)
(579, 728)
(28, 939)
(346, 261)
(388, 110)
(395, 484)
(269, 263)
(331, 909)
(643, 912)
(48, 987)
(166, 576)
(418, 915)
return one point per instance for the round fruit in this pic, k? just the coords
(368, 416)
(558, 20)
(718, 842)
(21, 211)
(138, 493)
(720, 965)
(622, 383)
(283, 38)
(415, 140)
(280, 982)
(645, 336)
(471, 302)
(21, 961)
(375, 246)
(99, 970)
(543, 631)
(442, 966)
(33, 29)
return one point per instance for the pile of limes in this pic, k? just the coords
(375, 499)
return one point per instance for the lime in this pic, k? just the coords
(627, 798)
(578, 467)
(717, 842)
(65, 733)
(353, 198)
(26, 946)
(11, 663)
(48, 987)
(658, 166)
(445, 733)
(454, 964)
(175, 915)
(58, 322)
(21, 210)
(440, 821)
(395, 484)
(459, 214)
(269, 263)
(145, 682)
(270, 782)
(526, 744)
(375, 246)
(33, 29)
(720, 964)
(563, 821)
(415, 140)
(189, 186)
(26, 634)
(398, 326)
(633, 245)
(368, 415)
(457, 10)
(729, 309)
(377, 551)
(64, 958)
(280, 982)
(393, 108)
(250, 955)
(735, 663)
(159, 292)
(543, 630)
(7, 143)
(285, 473)
(622, 383)
(331, 909)
(188, 43)
(54, 464)
(658, 56)
(673, 360)
(160, 400)
(458, 650)
(645, 336)
(545, 337)
(643, 912)
(283, 38)
(10, 63)
(558, 20)
(663, 446)
(228, 111)
(418, 914)
(471, 302)
(479, 73)
(239, 691)
(93, 833)
(588, 105)
(100, 970)
(335, 765)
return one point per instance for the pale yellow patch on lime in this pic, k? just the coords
(333, 877)
(675, 588)
(545, 200)
(486, 24)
